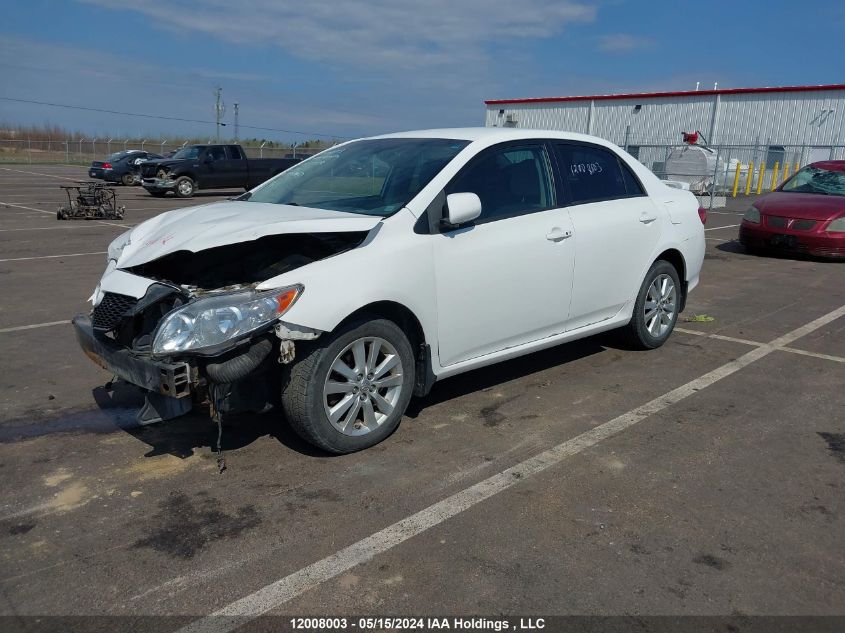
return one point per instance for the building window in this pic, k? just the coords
(634, 150)
(775, 154)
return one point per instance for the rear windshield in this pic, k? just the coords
(816, 180)
(371, 177)
(120, 156)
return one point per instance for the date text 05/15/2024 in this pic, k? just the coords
(416, 624)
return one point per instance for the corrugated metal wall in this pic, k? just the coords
(812, 118)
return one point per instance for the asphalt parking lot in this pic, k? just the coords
(703, 478)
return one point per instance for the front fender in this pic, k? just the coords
(394, 264)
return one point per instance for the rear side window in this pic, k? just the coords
(510, 181)
(594, 173)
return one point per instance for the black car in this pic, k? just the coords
(196, 167)
(121, 166)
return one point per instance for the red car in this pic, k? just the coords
(806, 214)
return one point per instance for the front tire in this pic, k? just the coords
(185, 187)
(656, 309)
(350, 389)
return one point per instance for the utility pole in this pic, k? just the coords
(219, 111)
(236, 121)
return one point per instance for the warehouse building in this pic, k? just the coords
(786, 125)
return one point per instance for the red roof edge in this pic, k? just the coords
(679, 93)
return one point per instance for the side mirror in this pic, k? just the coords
(461, 208)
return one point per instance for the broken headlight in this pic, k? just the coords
(752, 215)
(117, 246)
(209, 322)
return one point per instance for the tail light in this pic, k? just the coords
(702, 215)
(108, 166)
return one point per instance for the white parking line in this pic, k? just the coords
(804, 352)
(35, 173)
(24, 259)
(47, 228)
(718, 228)
(793, 350)
(32, 327)
(720, 337)
(285, 589)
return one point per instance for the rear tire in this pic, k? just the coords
(656, 309)
(364, 411)
(185, 187)
(127, 179)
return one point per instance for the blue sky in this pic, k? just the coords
(354, 68)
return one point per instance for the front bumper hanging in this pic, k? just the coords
(168, 379)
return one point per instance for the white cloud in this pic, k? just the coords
(623, 43)
(380, 34)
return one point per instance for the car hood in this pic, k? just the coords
(809, 206)
(168, 162)
(220, 223)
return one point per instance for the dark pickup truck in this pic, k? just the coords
(209, 167)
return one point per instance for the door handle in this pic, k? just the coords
(647, 218)
(557, 234)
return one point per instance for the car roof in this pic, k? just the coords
(495, 134)
(829, 165)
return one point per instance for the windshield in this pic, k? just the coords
(374, 177)
(816, 180)
(192, 151)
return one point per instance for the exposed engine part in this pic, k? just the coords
(246, 262)
(293, 332)
(287, 352)
(239, 363)
(90, 201)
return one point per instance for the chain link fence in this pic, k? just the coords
(722, 171)
(83, 151)
(711, 172)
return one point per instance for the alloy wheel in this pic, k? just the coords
(660, 305)
(363, 386)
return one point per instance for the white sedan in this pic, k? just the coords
(344, 286)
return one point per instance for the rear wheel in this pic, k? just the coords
(128, 179)
(656, 308)
(351, 389)
(185, 187)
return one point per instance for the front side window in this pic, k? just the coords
(594, 173)
(234, 152)
(816, 180)
(371, 177)
(509, 181)
(189, 153)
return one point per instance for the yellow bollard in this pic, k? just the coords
(797, 166)
(736, 179)
(760, 178)
(775, 171)
(748, 178)
(785, 176)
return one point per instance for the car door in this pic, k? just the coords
(237, 167)
(213, 172)
(505, 279)
(616, 228)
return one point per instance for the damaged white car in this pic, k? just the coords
(344, 286)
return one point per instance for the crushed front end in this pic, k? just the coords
(191, 328)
